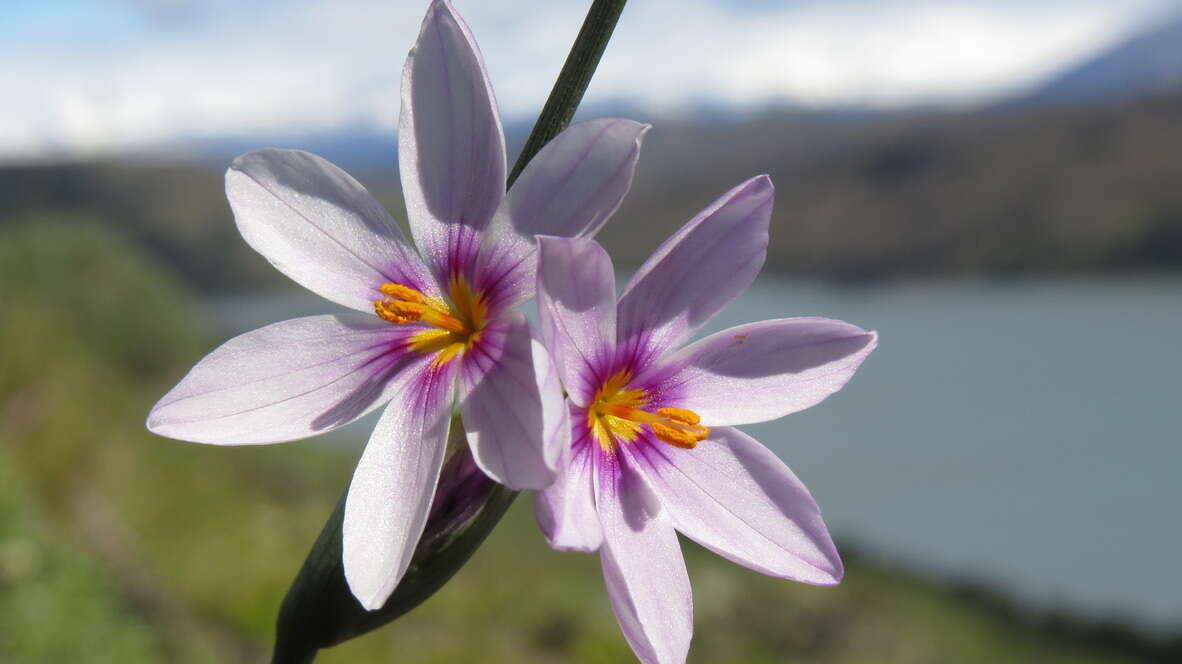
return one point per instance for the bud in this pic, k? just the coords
(320, 611)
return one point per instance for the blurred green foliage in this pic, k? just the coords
(118, 546)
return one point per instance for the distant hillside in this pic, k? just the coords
(1146, 63)
(1039, 190)
(998, 192)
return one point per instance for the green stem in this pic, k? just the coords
(319, 611)
(572, 80)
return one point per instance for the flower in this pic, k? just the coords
(653, 451)
(439, 325)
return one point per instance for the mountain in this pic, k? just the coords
(1074, 189)
(1147, 63)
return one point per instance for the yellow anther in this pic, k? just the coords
(398, 311)
(407, 305)
(400, 292)
(676, 436)
(680, 415)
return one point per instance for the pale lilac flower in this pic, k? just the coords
(653, 451)
(445, 330)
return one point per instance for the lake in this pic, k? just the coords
(1024, 434)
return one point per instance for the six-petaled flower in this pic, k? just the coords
(653, 449)
(437, 326)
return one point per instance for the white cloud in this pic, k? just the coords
(319, 65)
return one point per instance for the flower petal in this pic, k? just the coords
(566, 509)
(735, 497)
(576, 309)
(512, 405)
(643, 569)
(578, 180)
(393, 486)
(570, 189)
(319, 226)
(762, 371)
(700, 269)
(451, 149)
(285, 381)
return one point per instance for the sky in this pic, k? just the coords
(89, 77)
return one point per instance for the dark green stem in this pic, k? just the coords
(319, 610)
(572, 80)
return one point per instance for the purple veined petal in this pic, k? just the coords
(285, 381)
(570, 189)
(512, 405)
(643, 567)
(566, 509)
(576, 309)
(393, 486)
(319, 226)
(735, 497)
(451, 149)
(766, 370)
(701, 269)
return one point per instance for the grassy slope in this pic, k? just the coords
(117, 546)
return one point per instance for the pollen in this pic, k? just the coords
(618, 415)
(404, 304)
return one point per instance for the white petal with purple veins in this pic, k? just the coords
(735, 497)
(566, 509)
(644, 570)
(451, 149)
(570, 189)
(766, 370)
(285, 381)
(320, 227)
(701, 269)
(390, 496)
(576, 308)
(512, 406)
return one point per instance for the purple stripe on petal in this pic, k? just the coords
(503, 277)
(451, 149)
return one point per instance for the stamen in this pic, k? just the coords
(680, 415)
(400, 292)
(404, 304)
(683, 438)
(677, 426)
(398, 311)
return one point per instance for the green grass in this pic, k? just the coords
(116, 545)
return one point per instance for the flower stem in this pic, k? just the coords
(319, 610)
(572, 80)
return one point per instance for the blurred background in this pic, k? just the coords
(993, 185)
